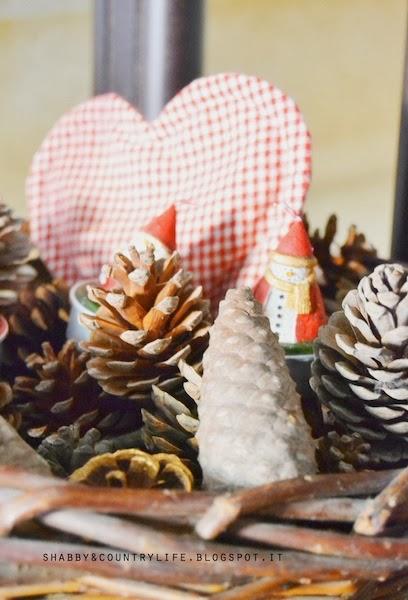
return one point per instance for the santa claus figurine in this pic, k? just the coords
(289, 291)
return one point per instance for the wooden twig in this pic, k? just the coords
(271, 587)
(91, 596)
(40, 589)
(118, 533)
(227, 508)
(327, 588)
(142, 539)
(159, 504)
(95, 596)
(66, 507)
(249, 591)
(292, 568)
(396, 588)
(14, 573)
(366, 591)
(20, 479)
(138, 538)
(378, 512)
(339, 510)
(140, 590)
(321, 542)
(146, 503)
(23, 551)
(205, 588)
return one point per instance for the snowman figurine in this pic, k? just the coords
(289, 291)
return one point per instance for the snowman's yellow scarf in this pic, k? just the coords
(298, 294)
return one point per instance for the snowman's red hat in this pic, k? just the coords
(295, 248)
(163, 228)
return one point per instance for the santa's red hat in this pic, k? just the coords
(163, 228)
(296, 242)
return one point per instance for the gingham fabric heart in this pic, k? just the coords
(231, 151)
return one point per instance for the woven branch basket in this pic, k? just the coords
(324, 536)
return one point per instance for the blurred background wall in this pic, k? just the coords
(45, 68)
(341, 60)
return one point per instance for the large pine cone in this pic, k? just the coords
(40, 315)
(361, 369)
(15, 249)
(135, 469)
(251, 426)
(152, 319)
(67, 450)
(61, 392)
(343, 267)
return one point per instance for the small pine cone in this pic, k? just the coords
(252, 429)
(66, 450)
(40, 315)
(135, 469)
(361, 368)
(153, 318)
(342, 453)
(7, 409)
(15, 249)
(61, 392)
(341, 270)
(172, 425)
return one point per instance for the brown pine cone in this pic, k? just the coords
(361, 369)
(152, 319)
(40, 315)
(342, 453)
(172, 424)
(67, 450)
(15, 249)
(135, 469)
(7, 409)
(61, 392)
(341, 269)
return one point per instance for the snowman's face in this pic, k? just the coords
(290, 274)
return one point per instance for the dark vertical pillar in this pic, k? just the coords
(400, 228)
(147, 50)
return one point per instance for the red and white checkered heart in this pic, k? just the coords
(231, 151)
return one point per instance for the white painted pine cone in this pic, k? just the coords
(361, 368)
(251, 428)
